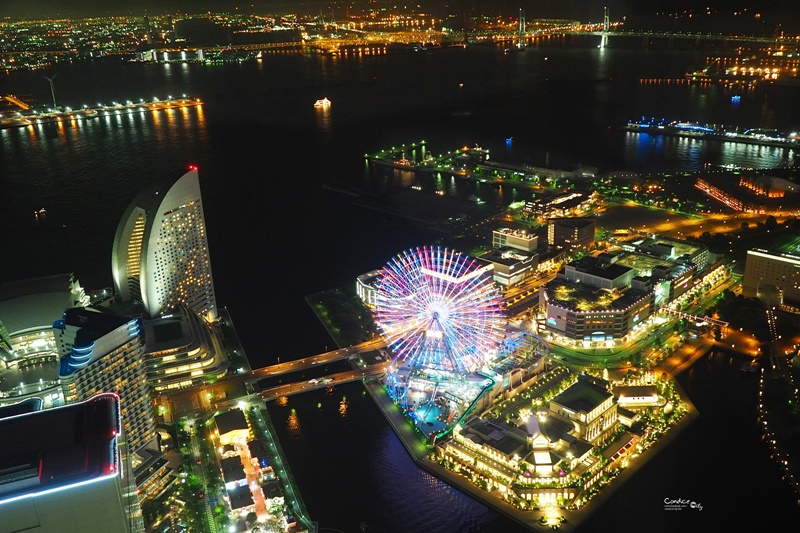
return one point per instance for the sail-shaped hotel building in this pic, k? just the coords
(160, 256)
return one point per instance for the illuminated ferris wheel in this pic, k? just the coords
(439, 310)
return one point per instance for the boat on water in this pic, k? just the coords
(322, 103)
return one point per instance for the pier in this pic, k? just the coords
(30, 117)
(396, 156)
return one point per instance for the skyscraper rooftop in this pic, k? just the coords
(60, 470)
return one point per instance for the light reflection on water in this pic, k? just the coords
(323, 117)
(380, 484)
(660, 153)
(293, 424)
(283, 401)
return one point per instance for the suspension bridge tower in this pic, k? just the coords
(606, 25)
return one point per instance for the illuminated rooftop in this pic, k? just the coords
(643, 264)
(507, 256)
(580, 297)
(789, 249)
(520, 234)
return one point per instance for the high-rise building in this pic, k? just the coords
(160, 255)
(775, 270)
(61, 471)
(105, 353)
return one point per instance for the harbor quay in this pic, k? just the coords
(27, 116)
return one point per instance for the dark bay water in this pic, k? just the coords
(275, 235)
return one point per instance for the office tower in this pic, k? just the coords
(160, 254)
(105, 353)
(61, 472)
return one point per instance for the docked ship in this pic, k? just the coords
(721, 133)
(322, 103)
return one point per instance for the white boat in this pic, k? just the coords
(322, 103)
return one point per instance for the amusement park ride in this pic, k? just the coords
(443, 320)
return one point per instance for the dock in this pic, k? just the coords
(29, 117)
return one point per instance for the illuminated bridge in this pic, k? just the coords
(647, 36)
(209, 397)
(287, 389)
(311, 362)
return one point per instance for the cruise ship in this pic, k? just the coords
(322, 103)
(721, 133)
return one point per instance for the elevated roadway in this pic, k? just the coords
(225, 393)
(305, 363)
(331, 380)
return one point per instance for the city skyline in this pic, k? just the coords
(702, 11)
